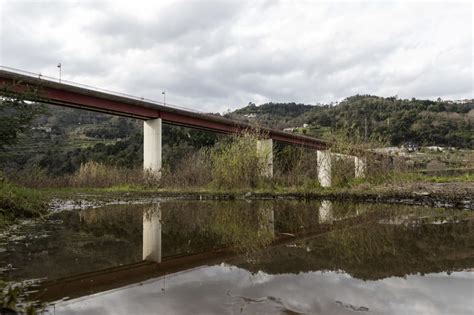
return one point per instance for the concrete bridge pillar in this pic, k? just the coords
(323, 159)
(152, 234)
(360, 164)
(152, 146)
(265, 157)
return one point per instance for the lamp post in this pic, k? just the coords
(164, 97)
(59, 66)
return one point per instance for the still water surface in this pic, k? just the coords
(250, 257)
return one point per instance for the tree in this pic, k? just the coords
(16, 114)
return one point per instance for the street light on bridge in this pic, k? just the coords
(59, 66)
(164, 97)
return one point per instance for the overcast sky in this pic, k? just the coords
(219, 55)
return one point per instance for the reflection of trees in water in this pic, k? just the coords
(367, 236)
(121, 221)
(401, 249)
(369, 241)
(188, 226)
(246, 226)
(374, 250)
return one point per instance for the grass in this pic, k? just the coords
(450, 179)
(412, 177)
(20, 202)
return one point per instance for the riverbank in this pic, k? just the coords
(21, 203)
(450, 194)
(18, 202)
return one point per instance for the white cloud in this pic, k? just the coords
(213, 55)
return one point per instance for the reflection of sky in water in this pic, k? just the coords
(231, 290)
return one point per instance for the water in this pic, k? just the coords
(258, 257)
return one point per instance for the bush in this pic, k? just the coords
(194, 170)
(236, 164)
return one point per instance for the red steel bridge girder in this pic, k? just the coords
(78, 97)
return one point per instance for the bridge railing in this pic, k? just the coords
(89, 87)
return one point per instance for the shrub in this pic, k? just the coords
(194, 170)
(236, 164)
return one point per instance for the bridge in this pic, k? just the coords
(53, 91)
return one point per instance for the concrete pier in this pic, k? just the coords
(152, 146)
(324, 168)
(360, 164)
(152, 234)
(265, 157)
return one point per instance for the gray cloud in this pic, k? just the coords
(213, 55)
(219, 290)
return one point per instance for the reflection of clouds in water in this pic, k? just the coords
(226, 290)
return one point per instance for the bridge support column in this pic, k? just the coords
(360, 164)
(152, 146)
(323, 159)
(152, 234)
(265, 156)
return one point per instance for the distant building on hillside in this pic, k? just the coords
(253, 115)
(410, 146)
(46, 129)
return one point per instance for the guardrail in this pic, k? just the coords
(80, 85)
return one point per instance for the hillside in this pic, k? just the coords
(394, 120)
(63, 138)
(275, 115)
(60, 140)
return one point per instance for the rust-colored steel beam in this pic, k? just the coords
(68, 95)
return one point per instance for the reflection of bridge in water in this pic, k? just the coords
(366, 241)
(154, 265)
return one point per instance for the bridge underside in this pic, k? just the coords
(77, 97)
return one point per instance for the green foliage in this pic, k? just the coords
(295, 167)
(19, 202)
(276, 115)
(236, 164)
(421, 121)
(16, 115)
(391, 119)
(65, 138)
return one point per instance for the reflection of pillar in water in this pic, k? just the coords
(271, 221)
(152, 233)
(325, 212)
(267, 218)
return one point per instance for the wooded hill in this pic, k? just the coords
(393, 120)
(62, 138)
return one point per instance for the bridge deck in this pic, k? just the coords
(69, 95)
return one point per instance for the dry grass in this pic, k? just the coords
(90, 175)
(194, 170)
(233, 164)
